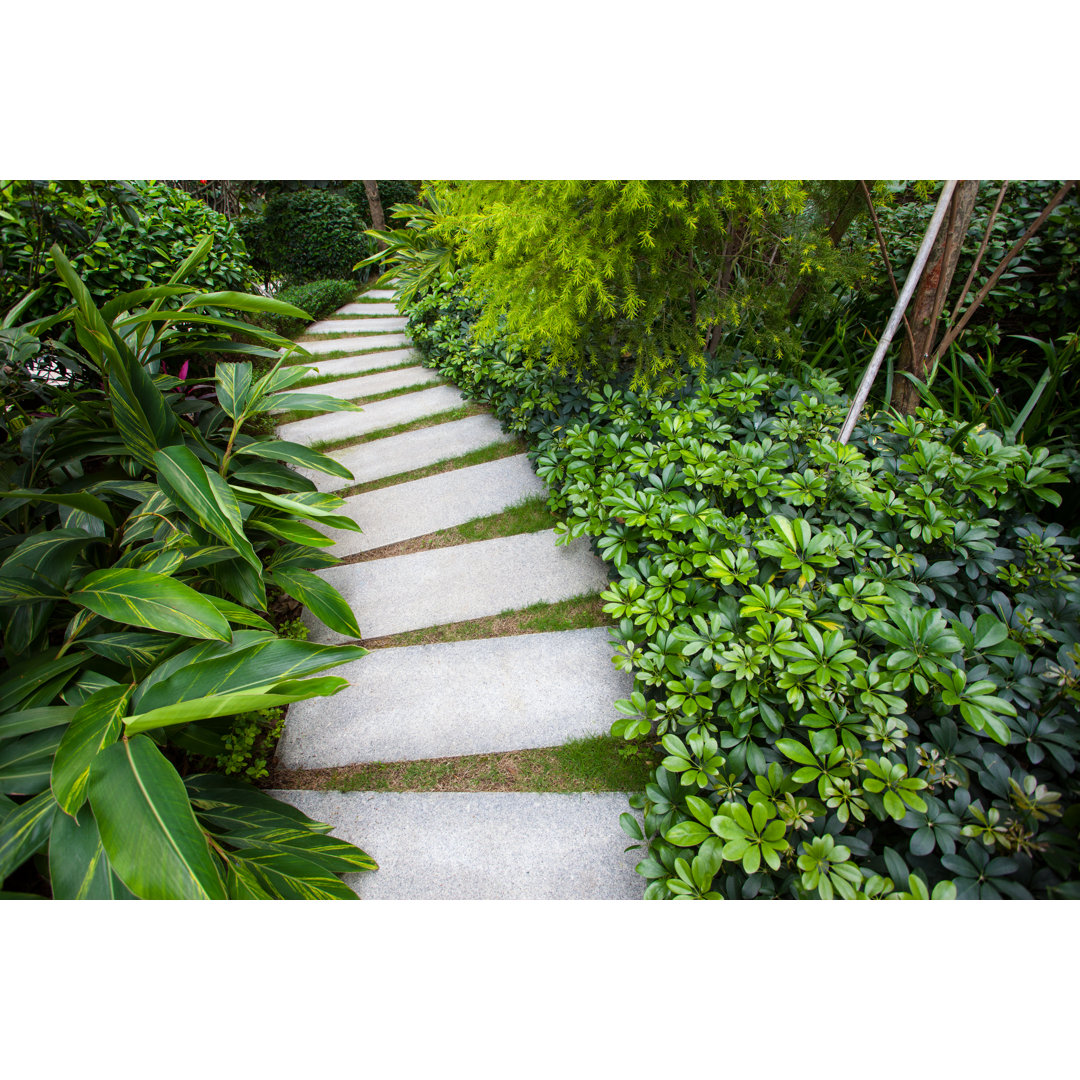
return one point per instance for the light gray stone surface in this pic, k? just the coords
(346, 326)
(368, 309)
(355, 344)
(411, 450)
(368, 385)
(460, 697)
(376, 294)
(348, 365)
(379, 414)
(436, 502)
(494, 845)
(430, 588)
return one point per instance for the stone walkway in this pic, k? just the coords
(458, 698)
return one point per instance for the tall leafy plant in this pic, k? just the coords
(142, 532)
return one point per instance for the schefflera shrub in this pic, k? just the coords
(861, 660)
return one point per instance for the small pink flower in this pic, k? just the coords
(183, 371)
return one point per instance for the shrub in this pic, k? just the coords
(313, 235)
(113, 252)
(143, 529)
(861, 661)
(316, 298)
(391, 192)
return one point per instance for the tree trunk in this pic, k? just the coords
(930, 296)
(378, 219)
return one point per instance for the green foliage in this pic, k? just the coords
(140, 529)
(316, 298)
(313, 235)
(860, 661)
(118, 237)
(390, 193)
(602, 272)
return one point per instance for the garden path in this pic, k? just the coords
(445, 700)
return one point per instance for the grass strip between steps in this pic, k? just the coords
(530, 515)
(593, 763)
(334, 335)
(494, 452)
(293, 415)
(459, 412)
(577, 613)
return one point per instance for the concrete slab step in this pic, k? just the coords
(330, 427)
(368, 385)
(376, 294)
(370, 361)
(345, 326)
(411, 450)
(458, 698)
(368, 309)
(356, 344)
(435, 502)
(492, 845)
(431, 588)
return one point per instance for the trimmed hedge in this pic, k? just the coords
(313, 235)
(317, 298)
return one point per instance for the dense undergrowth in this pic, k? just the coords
(861, 661)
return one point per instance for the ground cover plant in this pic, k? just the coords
(144, 536)
(861, 661)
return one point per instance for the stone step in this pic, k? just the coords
(368, 309)
(331, 427)
(419, 507)
(370, 361)
(462, 697)
(356, 344)
(367, 326)
(469, 581)
(368, 385)
(491, 845)
(411, 450)
(376, 294)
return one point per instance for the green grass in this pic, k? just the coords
(303, 339)
(591, 763)
(299, 414)
(318, 380)
(577, 613)
(475, 457)
(338, 354)
(457, 413)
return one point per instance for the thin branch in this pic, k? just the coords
(982, 250)
(956, 331)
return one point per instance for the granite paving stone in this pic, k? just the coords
(345, 326)
(377, 294)
(411, 450)
(369, 385)
(435, 502)
(402, 409)
(356, 344)
(469, 581)
(491, 845)
(348, 365)
(368, 309)
(461, 697)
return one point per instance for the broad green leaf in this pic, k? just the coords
(212, 791)
(292, 877)
(296, 532)
(25, 830)
(129, 647)
(25, 762)
(196, 258)
(205, 708)
(22, 681)
(38, 569)
(270, 474)
(138, 598)
(147, 826)
(96, 725)
(796, 751)
(80, 500)
(14, 724)
(129, 300)
(206, 497)
(305, 504)
(239, 615)
(242, 884)
(233, 387)
(320, 598)
(320, 403)
(294, 454)
(239, 301)
(79, 869)
(332, 855)
(267, 660)
(687, 834)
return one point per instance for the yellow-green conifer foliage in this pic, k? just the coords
(643, 271)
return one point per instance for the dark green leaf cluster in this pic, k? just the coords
(312, 235)
(118, 237)
(861, 660)
(142, 533)
(390, 193)
(317, 298)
